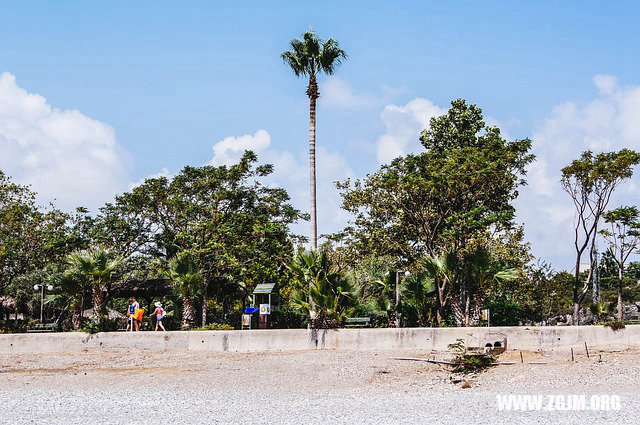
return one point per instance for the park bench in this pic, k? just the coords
(46, 327)
(634, 318)
(355, 322)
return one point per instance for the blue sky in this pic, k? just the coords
(131, 90)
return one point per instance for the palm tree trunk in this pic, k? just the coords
(205, 298)
(312, 92)
(458, 310)
(188, 312)
(99, 301)
(441, 303)
(466, 310)
(76, 318)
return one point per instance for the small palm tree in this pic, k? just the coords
(383, 292)
(70, 292)
(184, 273)
(308, 58)
(329, 295)
(481, 270)
(442, 270)
(97, 267)
(419, 290)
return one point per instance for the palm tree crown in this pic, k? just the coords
(311, 56)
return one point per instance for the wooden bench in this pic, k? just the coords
(357, 322)
(45, 327)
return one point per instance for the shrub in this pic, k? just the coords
(232, 318)
(215, 327)
(15, 326)
(287, 318)
(615, 326)
(92, 326)
(504, 312)
(464, 362)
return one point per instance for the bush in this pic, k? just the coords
(615, 326)
(504, 313)
(15, 326)
(170, 322)
(215, 327)
(92, 326)
(464, 362)
(287, 318)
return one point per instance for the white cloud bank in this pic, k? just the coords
(67, 157)
(608, 122)
(403, 125)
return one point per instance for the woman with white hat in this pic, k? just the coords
(159, 313)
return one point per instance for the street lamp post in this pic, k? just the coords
(398, 272)
(41, 287)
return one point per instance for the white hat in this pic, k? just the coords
(158, 304)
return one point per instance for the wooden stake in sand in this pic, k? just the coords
(521, 358)
(586, 348)
(572, 354)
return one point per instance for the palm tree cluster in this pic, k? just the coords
(329, 295)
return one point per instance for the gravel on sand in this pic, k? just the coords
(309, 387)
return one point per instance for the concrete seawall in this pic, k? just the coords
(548, 338)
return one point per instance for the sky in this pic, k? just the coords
(96, 96)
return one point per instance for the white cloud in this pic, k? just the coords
(336, 92)
(291, 171)
(229, 150)
(67, 157)
(605, 83)
(403, 125)
(608, 122)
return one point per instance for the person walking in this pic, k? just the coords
(159, 313)
(132, 312)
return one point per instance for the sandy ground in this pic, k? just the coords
(314, 387)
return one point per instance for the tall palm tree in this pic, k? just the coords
(308, 58)
(184, 273)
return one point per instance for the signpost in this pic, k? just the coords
(265, 313)
(486, 316)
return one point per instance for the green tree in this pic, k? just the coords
(70, 288)
(439, 200)
(590, 181)
(308, 58)
(29, 236)
(623, 237)
(236, 227)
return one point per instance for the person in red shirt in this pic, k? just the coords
(159, 313)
